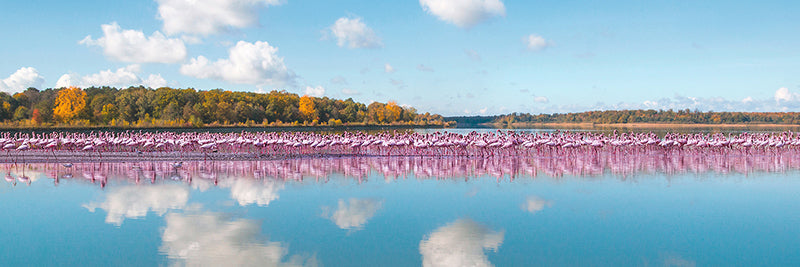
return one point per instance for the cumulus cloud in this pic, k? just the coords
(122, 77)
(540, 99)
(388, 68)
(20, 80)
(211, 239)
(247, 63)
(318, 91)
(136, 201)
(783, 95)
(461, 243)
(154, 81)
(205, 17)
(134, 46)
(535, 42)
(354, 34)
(534, 204)
(249, 191)
(464, 13)
(354, 213)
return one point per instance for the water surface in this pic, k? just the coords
(400, 212)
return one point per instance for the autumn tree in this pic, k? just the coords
(108, 113)
(103, 105)
(393, 112)
(36, 116)
(21, 113)
(307, 108)
(376, 112)
(69, 103)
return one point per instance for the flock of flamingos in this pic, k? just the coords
(108, 146)
(441, 155)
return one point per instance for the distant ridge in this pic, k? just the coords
(465, 121)
(640, 116)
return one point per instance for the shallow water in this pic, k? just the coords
(399, 212)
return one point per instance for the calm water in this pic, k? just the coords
(401, 212)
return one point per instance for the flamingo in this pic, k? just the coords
(24, 147)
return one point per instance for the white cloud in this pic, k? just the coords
(212, 239)
(388, 68)
(134, 46)
(190, 39)
(354, 34)
(483, 110)
(535, 204)
(248, 191)
(248, 63)
(318, 91)
(355, 213)
(464, 13)
(782, 100)
(461, 243)
(348, 91)
(204, 17)
(67, 80)
(20, 80)
(783, 95)
(135, 201)
(122, 77)
(535, 42)
(154, 81)
(540, 99)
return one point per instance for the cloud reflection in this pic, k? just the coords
(354, 213)
(460, 243)
(534, 204)
(135, 201)
(249, 191)
(213, 239)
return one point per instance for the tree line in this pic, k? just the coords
(165, 106)
(653, 116)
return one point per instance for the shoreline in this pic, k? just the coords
(282, 128)
(649, 125)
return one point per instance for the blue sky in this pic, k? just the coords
(453, 57)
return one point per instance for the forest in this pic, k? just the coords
(685, 116)
(169, 107)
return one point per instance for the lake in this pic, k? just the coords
(681, 210)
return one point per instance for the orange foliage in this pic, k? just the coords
(37, 116)
(69, 103)
(307, 108)
(393, 112)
